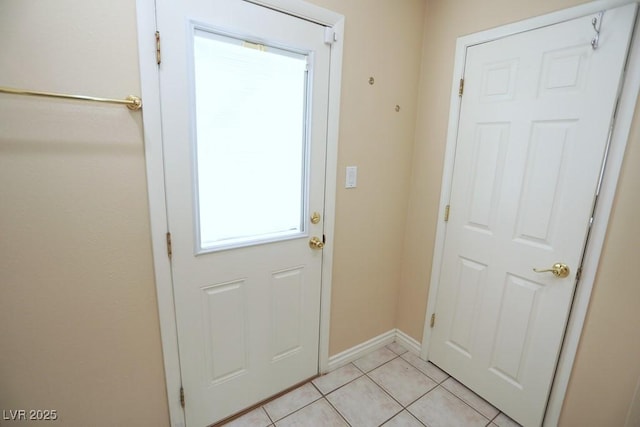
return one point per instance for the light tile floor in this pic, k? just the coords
(390, 387)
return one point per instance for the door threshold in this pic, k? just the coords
(262, 402)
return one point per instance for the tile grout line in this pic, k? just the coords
(415, 418)
(337, 411)
(273, 423)
(324, 396)
(387, 393)
(377, 385)
(404, 408)
(438, 384)
(392, 417)
(463, 401)
(496, 416)
(362, 373)
(435, 380)
(366, 374)
(413, 366)
(420, 397)
(297, 410)
(469, 405)
(343, 385)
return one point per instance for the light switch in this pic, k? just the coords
(352, 177)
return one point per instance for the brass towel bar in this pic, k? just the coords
(132, 102)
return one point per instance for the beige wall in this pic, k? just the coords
(383, 40)
(79, 327)
(78, 316)
(607, 365)
(78, 319)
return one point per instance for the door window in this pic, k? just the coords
(250, 140)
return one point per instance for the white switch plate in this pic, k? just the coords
(352, 177)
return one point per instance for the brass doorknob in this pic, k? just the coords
(316, 243)
(559, 270)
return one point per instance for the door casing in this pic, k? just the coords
(152, 125)
(615, 155)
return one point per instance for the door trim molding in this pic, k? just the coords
(625, 112)
(152, 126)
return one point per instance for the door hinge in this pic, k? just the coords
(158, 54)
(182, 396)
(169, 250)
(461, 87)
(433, 320)
(446, 212)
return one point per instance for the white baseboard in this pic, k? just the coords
(362, 349)
(408, 342)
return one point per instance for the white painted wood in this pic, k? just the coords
(225, 313)
(152, 124)
(248, 318)
(622, 129)
(287, 306)
(150, 93)
(155, 182)
(357, 351)
(615, 156)
(335, 76)
(495, 331)
(408, 342)
(626, 108)
(303, 10)
(336, 22)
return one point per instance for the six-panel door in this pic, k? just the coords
(532, 137)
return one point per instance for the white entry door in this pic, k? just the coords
(534, 124)
(244, 109)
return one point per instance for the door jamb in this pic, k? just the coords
(619, 138)
(152, 126)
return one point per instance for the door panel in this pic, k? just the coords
(544, 182)
(225, 313)
(486, 176)
(244, 107)
(532, 137)
(286, 305)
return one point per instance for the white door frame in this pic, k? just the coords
(150, 89)
(619, 139)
